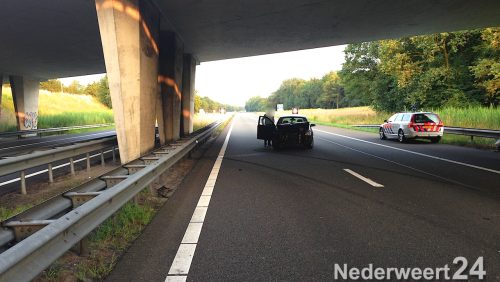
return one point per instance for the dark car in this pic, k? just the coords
(289, 130)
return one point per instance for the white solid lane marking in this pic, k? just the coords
(204, 201)
(199, 214)
(412, 152)
(176, 278)
(182, 260)
(185, 253)
(207, 191)
(192, 233)
(365, 179)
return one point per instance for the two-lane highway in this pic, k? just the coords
(13, 146)
(249, 213)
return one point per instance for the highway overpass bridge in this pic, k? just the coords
(150, 48)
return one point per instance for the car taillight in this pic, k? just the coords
(440, 124)
(411, 124)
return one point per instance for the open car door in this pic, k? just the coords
(265, 128)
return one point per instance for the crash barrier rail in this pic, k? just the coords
(10, 165)
(48, 130)
(37, 237)
(472, 132)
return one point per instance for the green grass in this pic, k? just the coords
(202, 120)
(6, 213)
(112, 237)
(473, 117)
(74, 118)
(58, 110)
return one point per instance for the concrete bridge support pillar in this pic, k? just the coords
(1, 84)
(188, 79)
(25, 96)
(129, 33)
(170, 80)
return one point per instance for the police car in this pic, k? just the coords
(411, 125)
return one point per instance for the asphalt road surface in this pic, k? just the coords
(291, 215)
(14, 146)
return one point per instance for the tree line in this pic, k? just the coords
(457, 69)
(209, 105)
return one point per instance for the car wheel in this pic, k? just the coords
(401, 136)
(436, 139)
(310, 145)
(382, 134)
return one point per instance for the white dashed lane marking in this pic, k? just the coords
(365, 179)
(412, 152)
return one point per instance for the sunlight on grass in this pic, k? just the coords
(202, 120)
(57, 110)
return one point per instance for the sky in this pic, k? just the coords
(234, 81)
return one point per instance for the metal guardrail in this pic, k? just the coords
(472, 132)
(9, 165)
(487, 133)
(26, 259)
(48, 130)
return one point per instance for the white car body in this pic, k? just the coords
(410, 125)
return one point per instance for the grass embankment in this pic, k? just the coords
(202, 120)
(57, 110)
(473, 117)
(106, 243)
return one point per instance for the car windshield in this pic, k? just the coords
(423, 118)
(291, 120)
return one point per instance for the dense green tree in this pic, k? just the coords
(74, 88)
(256, 104)
(359, 72)
(92, 89)
(458, 69)
(103, 94)
(209, 105)
(487, 68)
(52, 85)
(331, 95)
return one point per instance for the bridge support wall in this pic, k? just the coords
(188, 82)
(25, 92)
(170, 80)
(1, 87)
(129, 34)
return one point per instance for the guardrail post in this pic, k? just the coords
(82, 248)
(87, 156)
(72, 166)
(23, 182)
(102, 159)
(51, 175)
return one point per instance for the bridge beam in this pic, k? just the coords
(188, 82)
(129, 34)
(170, 80)
(25, 92)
